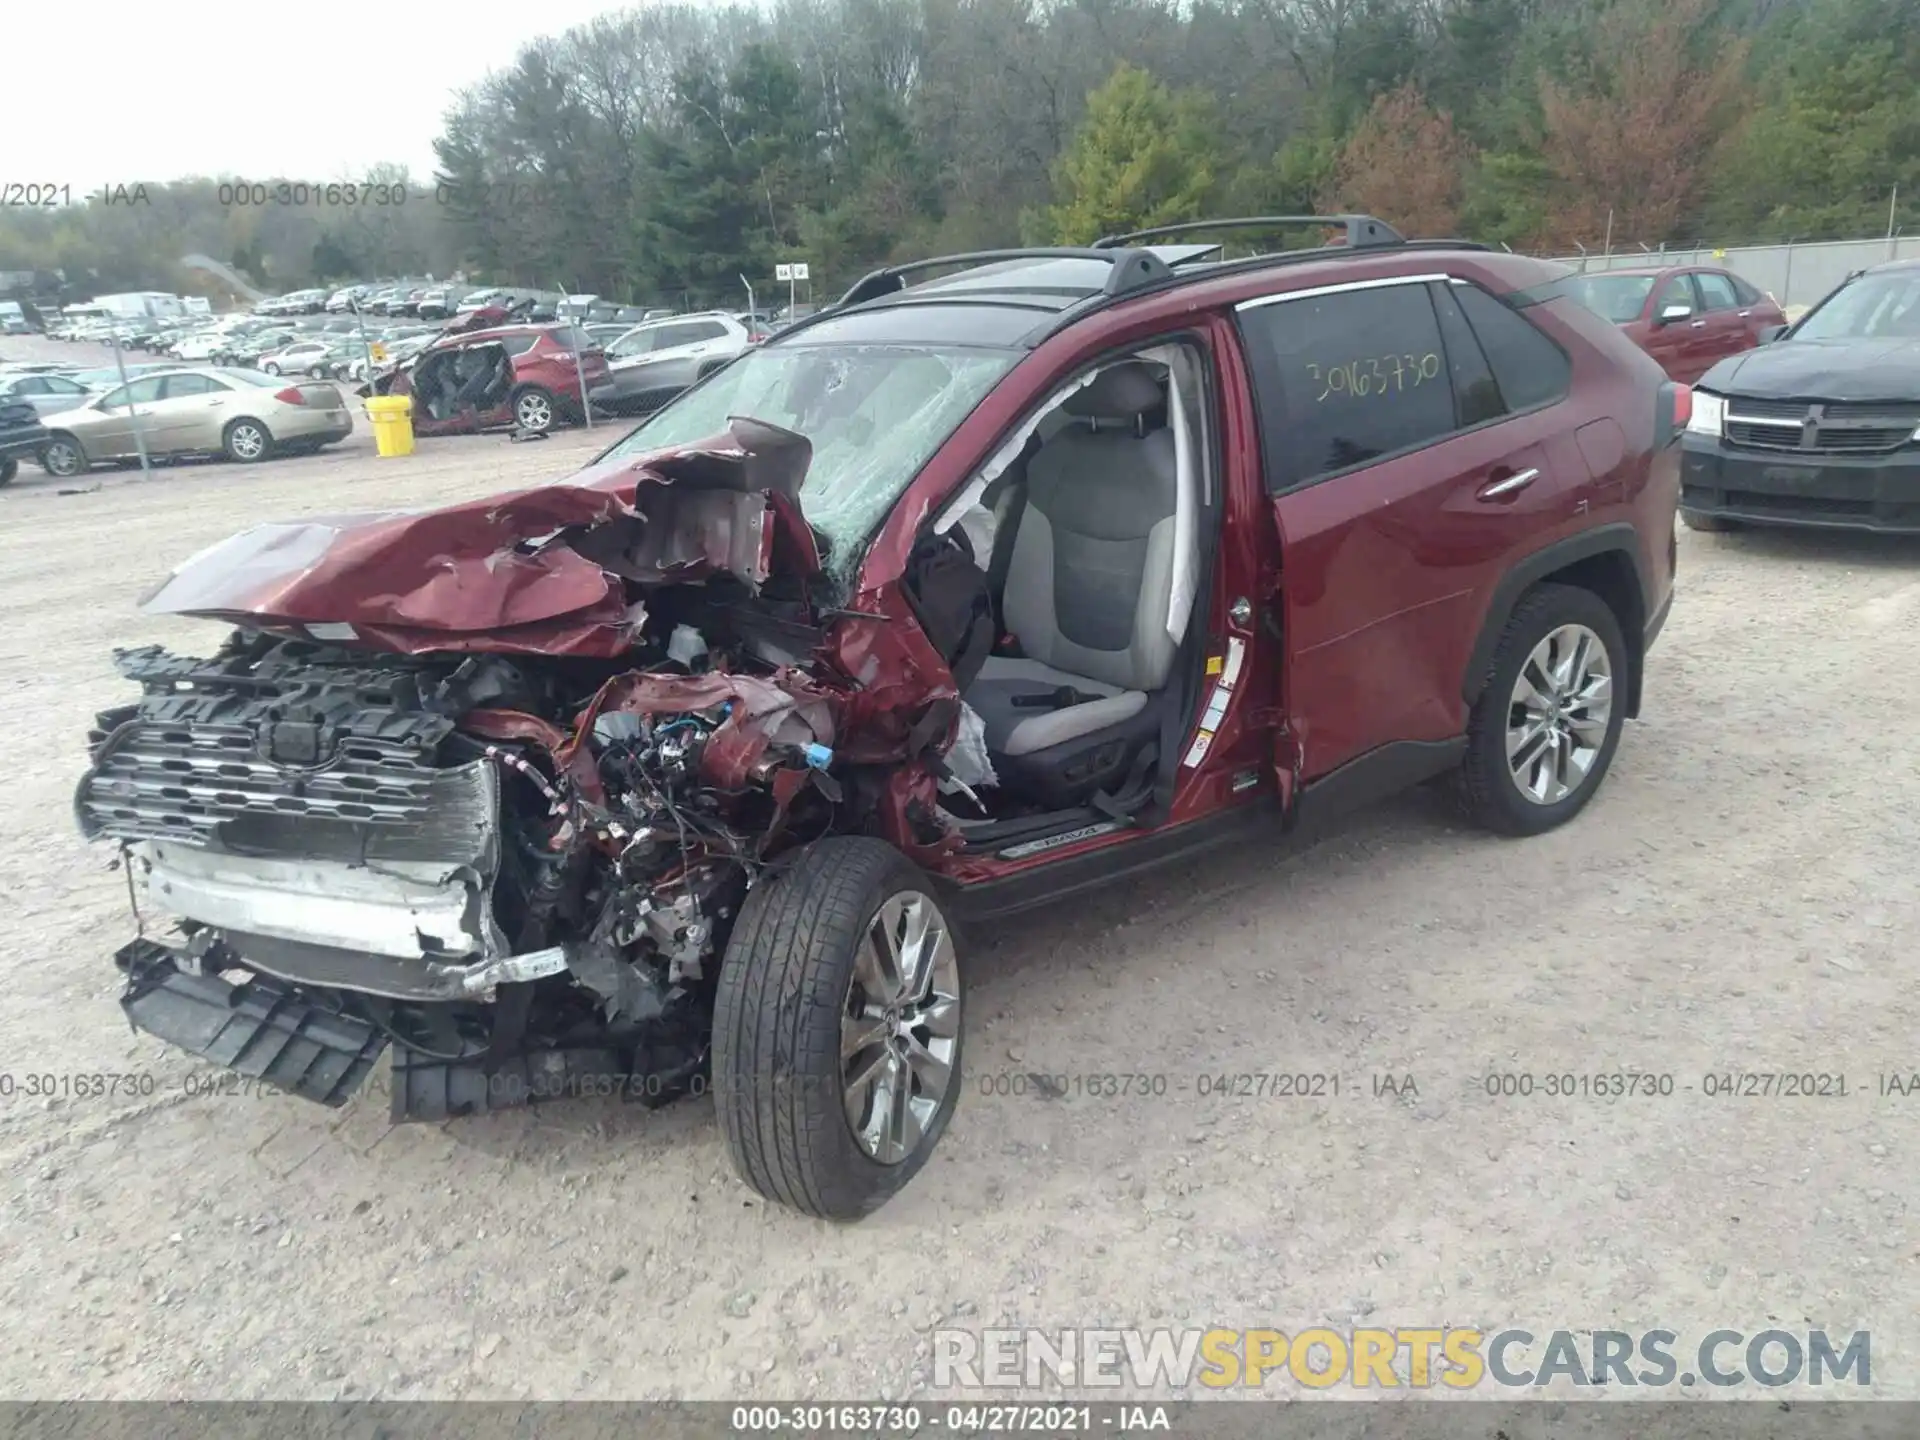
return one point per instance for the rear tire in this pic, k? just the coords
(1711, 524)
(812, 1020)
(63, 457)
(1533, 766)
(535, 410)
(247, 442)
(9, 470)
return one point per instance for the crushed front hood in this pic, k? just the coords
(556, 569)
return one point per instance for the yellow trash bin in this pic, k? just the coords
(392, 420)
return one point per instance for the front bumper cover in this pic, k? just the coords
(321, 1044)
(1846, 492)
(263, 1029)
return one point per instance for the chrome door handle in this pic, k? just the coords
(1511, 485)
(1698, 325)
(1745, 313)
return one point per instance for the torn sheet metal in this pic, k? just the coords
(789, 709)
(538, 571)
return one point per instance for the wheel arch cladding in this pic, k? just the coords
(1605, 561)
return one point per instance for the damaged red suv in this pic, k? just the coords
(1009, 575)
(530, 377)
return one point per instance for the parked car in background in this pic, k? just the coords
(297, 302)
(526, 376)
(1688, 317)
(298, 358)
(247, 349)
(22, 436)
(399, 352)
(202, 411)
(107, 376)
(47, 394)
(654, 362)
(1820, 426)
(440, 301)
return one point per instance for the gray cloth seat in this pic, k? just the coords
(1087, 592)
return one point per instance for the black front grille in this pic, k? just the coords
(1794, 410)
(1837, 428)
(1764, 437)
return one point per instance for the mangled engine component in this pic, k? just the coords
(521, 893)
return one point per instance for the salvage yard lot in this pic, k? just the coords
(1739, 897)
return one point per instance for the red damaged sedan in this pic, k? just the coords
(1010, 575)
(1688, 317)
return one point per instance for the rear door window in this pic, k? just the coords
(178, 387)
(1716, 291)
(516, 344)
(1345, 378)
(1677, 291)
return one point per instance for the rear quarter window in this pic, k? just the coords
(1530, 369)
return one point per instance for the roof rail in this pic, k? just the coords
(1131, 269)
(1363, 231)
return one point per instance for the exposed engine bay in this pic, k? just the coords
(424, 853)
(498, 810)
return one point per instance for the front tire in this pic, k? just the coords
(534, 410)
(271, 368)
(1547, 723)
(63, 457)
(837, 1029)
(9, 469)
(247, 442)
(1710, 524)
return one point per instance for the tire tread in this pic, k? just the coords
(776, 1027)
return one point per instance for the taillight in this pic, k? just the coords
(1671, 415)
(290, 396)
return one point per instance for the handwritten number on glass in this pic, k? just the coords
(1381, 375)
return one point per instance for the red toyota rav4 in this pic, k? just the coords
(964, 595)
(527, 376)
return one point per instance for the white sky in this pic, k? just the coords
(254, 91)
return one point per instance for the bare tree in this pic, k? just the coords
(1406, 163)
(1633, 132)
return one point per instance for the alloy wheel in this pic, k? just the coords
(900, 1027)
(248, 442)
(1558, 716)
(61, 459)
(534, 412)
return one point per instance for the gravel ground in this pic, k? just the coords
(1735, 899)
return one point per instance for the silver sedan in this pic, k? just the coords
(237, 413)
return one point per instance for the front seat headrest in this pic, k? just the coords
(1119, 392)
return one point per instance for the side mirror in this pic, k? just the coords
(1771, 333)
(1671, 313)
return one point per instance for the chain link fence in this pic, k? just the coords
(1794, 273)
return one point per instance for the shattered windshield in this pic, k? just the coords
(875, 415)
(1874, 307)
